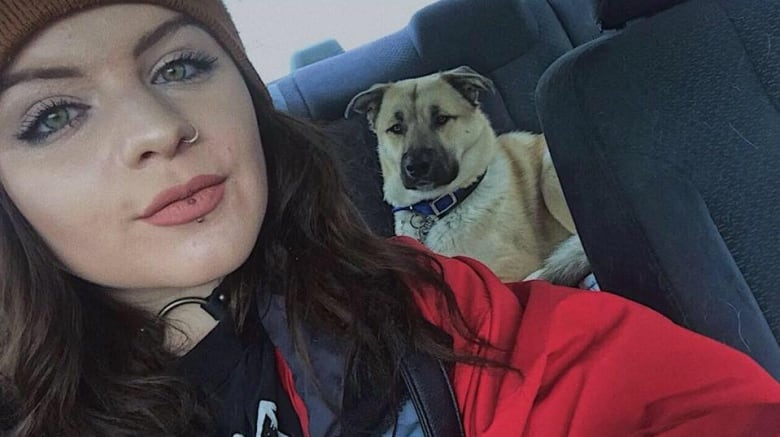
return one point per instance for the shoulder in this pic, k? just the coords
(588, 352)
(522, 138)
(574, 325)
(527, 146)
(499, 311)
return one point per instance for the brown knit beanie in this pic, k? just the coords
(20, 20)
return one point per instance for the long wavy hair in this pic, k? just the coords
(76, 362)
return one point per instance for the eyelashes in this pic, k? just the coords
(56, 115)
(49, 117)
(185, 67)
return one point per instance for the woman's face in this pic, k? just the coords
(94, 114)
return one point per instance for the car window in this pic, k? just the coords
(273, 30)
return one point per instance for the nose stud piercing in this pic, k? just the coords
(194, 138)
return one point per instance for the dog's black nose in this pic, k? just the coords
(418, 163)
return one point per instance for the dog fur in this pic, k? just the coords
(433, 139)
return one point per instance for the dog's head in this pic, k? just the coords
(432, 136)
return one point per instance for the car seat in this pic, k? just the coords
(666, 138)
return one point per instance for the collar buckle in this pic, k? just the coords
(450, 201)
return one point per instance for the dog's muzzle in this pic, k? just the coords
(427, 168)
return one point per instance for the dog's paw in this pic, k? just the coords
(567, 277)
(567, 265)
(539, 274)
(553, 276)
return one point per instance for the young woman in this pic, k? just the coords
(178, 259)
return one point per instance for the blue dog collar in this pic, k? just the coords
(443, 204)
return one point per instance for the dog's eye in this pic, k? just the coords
(396, 129)
(441, 120)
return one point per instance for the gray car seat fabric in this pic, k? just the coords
(511, 41)
(666, 137)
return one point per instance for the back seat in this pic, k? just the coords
(511, 41)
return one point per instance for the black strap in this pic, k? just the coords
(434, 401)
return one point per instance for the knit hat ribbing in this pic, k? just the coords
(20, 20)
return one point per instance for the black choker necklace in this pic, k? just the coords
(215, 304)
(179, 302)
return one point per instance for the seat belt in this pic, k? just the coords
(430, 391)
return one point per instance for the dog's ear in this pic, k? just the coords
(368, 102)
(468, 83)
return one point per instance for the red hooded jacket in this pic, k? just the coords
(590, 364)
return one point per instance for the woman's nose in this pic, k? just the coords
(153, 129)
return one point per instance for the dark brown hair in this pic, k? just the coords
(76, 362)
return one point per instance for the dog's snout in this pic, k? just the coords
(425, 168)
(418, 164)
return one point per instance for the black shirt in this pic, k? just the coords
(241, 378)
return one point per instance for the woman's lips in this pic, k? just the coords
(187, 202)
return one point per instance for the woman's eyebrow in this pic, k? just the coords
(12, 79)
(155, 35)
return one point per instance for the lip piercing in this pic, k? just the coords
(200, 220)
(194, 138)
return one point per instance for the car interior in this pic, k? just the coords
(663, 121)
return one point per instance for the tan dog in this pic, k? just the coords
(461, 190)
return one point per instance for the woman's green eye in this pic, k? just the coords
(57, 119)
(174, 73)
(186, 67)
(50, 119)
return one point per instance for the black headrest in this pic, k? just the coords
(614, 14)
